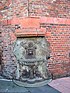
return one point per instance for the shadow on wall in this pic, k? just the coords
(0, 58)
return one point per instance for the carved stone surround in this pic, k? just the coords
(32, 54)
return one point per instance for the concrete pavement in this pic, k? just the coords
(62, 84)
(7, 86)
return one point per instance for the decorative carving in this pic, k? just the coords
(30, 51)
(32, 55)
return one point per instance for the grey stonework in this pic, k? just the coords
(32, 54)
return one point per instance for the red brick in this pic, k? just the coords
(13, 37)
(43, 29)
(52, 20)
(1, 17)
(48, 34)
(26, 22)
(8, 22)
(4, 22)
(7, 3)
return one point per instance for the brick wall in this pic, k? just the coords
(40, 17)
(59, 39)
(49, 8)
(32, 8)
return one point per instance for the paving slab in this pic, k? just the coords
(43, 89)
(9, 86)
(62, 84)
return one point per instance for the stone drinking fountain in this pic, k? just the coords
(32, 54)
